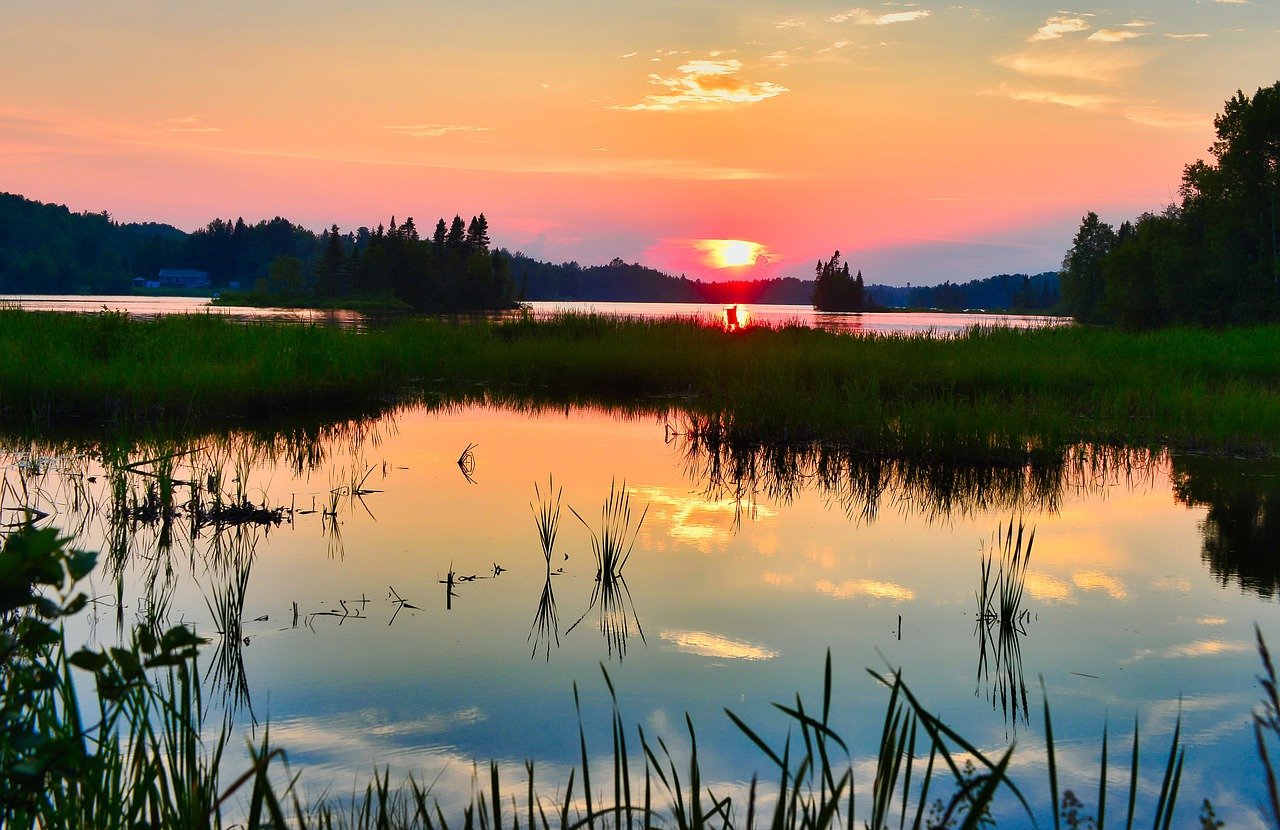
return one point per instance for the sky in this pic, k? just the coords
(728, 139)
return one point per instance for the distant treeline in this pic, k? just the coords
(1012, 292)
(1213, 259)
(621, 281)
(47, 249)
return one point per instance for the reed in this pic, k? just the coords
(613, 543)
(546, 516)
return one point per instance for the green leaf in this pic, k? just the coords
(92, 661)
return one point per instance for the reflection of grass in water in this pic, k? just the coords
(612, 547)
(1000, 599)
(160, 771)
(227, 608)
(1001, 619)
(546, 516)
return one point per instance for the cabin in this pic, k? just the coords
(183, 278)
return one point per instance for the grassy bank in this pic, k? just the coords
(990, 390)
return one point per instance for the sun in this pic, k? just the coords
(731, 253)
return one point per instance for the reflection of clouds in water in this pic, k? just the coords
(1212, 620)
(1098, 581)
(773, 578)
(1198, 648)
(865, 587)
(1047, 588)
(706, 644)
(1172, 583)
(694, 520)
(1208, 648)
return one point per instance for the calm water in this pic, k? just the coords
(1147, 576)
(773, 315)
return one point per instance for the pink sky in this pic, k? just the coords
(925, 141)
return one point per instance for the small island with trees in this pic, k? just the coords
(835, 290)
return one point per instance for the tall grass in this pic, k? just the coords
(987, 390)
(616, 538)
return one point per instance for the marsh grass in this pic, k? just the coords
(546, 517)
(986, 391)
(613, 543)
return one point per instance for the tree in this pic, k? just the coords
(478, 233)
(455, 240)
(1082, 282)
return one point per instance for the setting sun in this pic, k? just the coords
(730, 253)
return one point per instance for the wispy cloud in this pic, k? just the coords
(435, 130)
(1076, 100)
(1056, 27)
(706, 83)
(1154, 115)
(789, 23)
(866, 17)
(1078, 62)
(1188, 36)
(191, 124)
(1150, 114)
(1114, 35)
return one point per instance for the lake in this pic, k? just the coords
(888, 322)
(397, 608)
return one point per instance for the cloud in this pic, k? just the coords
(191, 124)
(629, 55)
(1190, 36)
(706, 83)
(1076, 100)
(789, 23)
(1056, 27)
(1113, 36)
(1078, 62)
(865, 17)
(901, 17)
(1154, 115)
(435, 130)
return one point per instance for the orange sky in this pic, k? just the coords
(925, 141)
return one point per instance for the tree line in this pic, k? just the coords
(621, 281)
(452, 270)
(47, 249)
(1211, 259)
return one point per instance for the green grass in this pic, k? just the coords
(988, 391)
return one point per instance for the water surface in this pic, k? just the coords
(1147, 577)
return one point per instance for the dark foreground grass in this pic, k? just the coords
(989, 390)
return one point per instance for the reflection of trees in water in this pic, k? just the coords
(935, 486)
(1241, 530)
